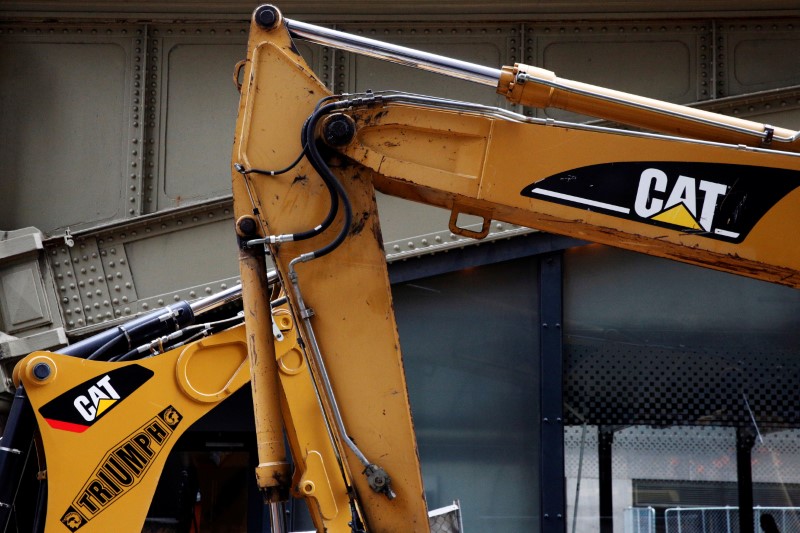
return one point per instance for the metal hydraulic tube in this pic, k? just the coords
(537, 87)
(394, 53)
(273, 474)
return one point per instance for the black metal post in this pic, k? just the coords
(14, 447)
(744, 473)
(551, 468)
(605, 451)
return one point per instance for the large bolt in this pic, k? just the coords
(247, 226)
(42, 371)
(338, 130)
(267, 17)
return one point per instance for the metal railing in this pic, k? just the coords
(726, 519)
(639, 520)
(446, 519)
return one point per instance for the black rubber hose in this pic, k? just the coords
(317, 161)
(334, 197)
(153, 324)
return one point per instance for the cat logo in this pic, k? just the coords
(122, 468)
(710, 200)
(681, 207)
(83, 405)
(98, 398)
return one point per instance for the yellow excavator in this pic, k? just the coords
(316, 337)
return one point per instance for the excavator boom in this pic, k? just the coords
(307, 190)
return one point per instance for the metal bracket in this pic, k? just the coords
(379, 480)
(769, 133)
(484, 231)
(68, 239)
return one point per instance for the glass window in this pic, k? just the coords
(470, 348)
(672, 369)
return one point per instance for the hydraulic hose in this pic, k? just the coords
(305, 135)
(317, 161)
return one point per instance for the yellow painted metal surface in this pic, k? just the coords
(107, 428)
(348, 289)
(544, 89)
(515, 157)
(318, 476)
(273, 471)
(660, 196)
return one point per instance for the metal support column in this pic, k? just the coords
(605, 453)
(551, 468)
(744, 474)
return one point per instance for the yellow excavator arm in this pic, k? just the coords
(307, 164)
(319, 333)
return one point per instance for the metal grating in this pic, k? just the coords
(623, 384)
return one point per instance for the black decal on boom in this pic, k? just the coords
(715, 200)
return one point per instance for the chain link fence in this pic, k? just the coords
(726, 519)
(446, 519)
(640, 520)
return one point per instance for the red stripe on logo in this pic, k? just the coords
(66, 426)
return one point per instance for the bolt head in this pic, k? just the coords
(247, 226)
(266, 17)
(42, 371)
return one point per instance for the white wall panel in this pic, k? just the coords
(757, 55)
(66, 134)
(197, 108)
